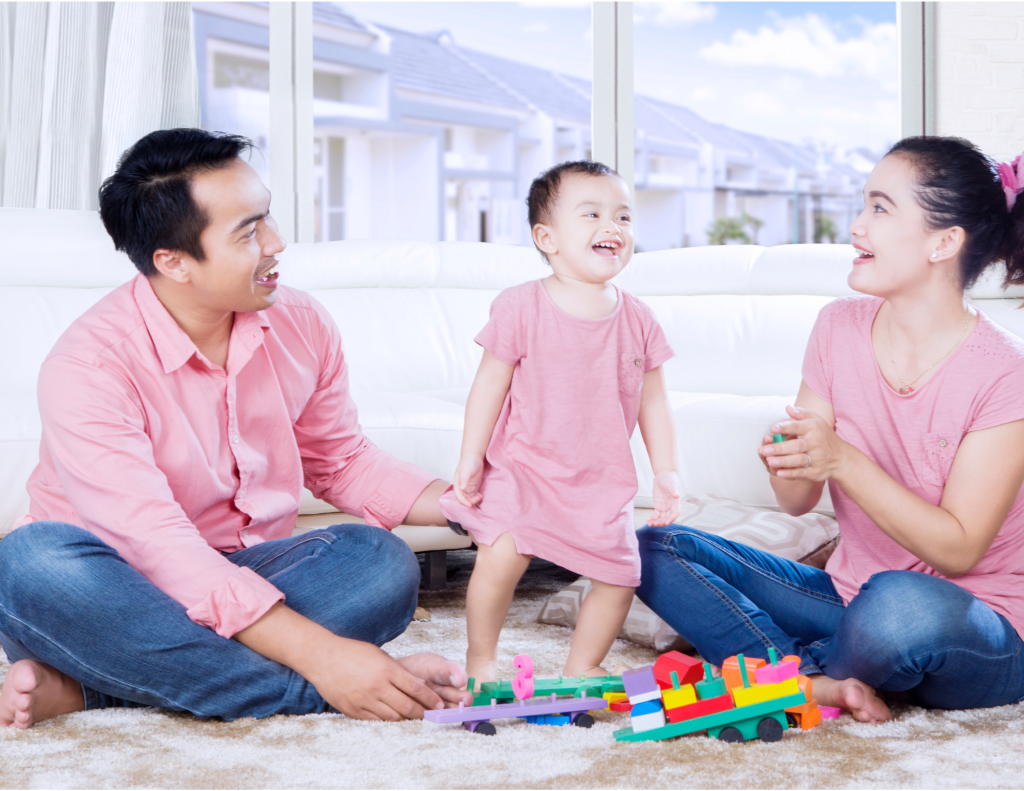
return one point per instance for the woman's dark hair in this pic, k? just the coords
(957, 185)
(147, 203)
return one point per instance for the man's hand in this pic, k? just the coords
(466, 481)
(666, 499)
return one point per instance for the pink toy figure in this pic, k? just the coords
(829, 712)
(522, 684)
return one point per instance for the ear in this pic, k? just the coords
(172, 265)
(543, 238)
(950, 243)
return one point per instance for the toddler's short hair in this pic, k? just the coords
(544, 190)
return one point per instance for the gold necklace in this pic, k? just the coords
(907, 389)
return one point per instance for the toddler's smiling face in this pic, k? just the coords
(589, 235)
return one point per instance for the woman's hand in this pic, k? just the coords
(466, 482)
(666, 499)
(811, 452)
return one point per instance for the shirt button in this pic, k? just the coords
(638, 361)
(942, 443)
(234, 439)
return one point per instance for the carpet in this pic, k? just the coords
(148, 748)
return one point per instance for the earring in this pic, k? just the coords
(935, 255)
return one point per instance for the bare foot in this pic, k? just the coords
(442, 675)
(481, 669)
(853, 696)
(597, 670)
(621, 668)
(34, 692)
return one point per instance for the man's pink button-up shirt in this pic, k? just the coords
(172, 460)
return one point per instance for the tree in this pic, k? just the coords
(731, 229)
(824, 228)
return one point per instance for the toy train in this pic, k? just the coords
(678, 695)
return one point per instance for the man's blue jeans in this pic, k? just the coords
(904, 631)
(71, 601)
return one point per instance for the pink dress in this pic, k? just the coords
(914, 439)
(559, 472)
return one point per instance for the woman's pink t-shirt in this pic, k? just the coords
(559, 472)
(914, 438)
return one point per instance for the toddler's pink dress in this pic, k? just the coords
(559, 473)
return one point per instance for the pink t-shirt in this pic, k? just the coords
(559, 472)
(914, 438)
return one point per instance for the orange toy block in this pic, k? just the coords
(700, 708)
(731, 671)
(687, 668)
(805, 686)
(807, 715)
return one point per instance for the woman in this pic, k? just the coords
(912, 408)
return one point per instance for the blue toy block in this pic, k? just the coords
(645, 707)
(549, 719)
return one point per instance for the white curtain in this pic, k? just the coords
(79, 83)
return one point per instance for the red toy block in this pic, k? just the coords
(621, 705)
(731, 670)
(700, 708)
(688, 668)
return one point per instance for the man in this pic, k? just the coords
(181, 415)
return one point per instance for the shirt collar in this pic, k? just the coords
(173, 346)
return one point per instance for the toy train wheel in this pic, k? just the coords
(769, 730)
(791, 720)
(485, 729)
(583, 720)
(730, 735)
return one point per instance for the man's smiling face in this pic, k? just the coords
(240, 242)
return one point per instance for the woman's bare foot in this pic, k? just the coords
(851, 695)
(34, 692)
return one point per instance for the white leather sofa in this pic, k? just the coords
(738, 318)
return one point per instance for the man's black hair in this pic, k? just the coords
(147, 204)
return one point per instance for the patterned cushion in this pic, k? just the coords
(808, 539)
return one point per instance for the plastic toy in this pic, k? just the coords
(641, 685)
(778, 438)
(595, 686)
(731, 670)
(829, 712)
(542, 711)
(776, 672)
(686, 667)
(747, 710)
(647, 716)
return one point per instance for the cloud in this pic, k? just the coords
(811, 45)
(537, 27)
(762, 103)
(703, 93)
(672, 12)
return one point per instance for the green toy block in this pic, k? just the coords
(737, 718)
(743, 670)
(710, 687)
(778, 438)
(596, 686)
(773, 657)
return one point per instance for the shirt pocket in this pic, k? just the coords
(939, 449)
(631, 373)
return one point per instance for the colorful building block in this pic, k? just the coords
(688, 669)
(805, 686)
(806, 715)
(759, 693)
(614, 697)
(621, 705)
(710, 687)
(701, 708)
(829, 712)
(674, 698)
(731, 670)
(647, 715)
(776, 674)
(641, 685)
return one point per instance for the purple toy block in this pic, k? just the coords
(775, 674)
(640, 683)
(522, 708)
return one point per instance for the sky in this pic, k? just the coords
(798, 71)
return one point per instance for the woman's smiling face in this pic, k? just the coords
(891, 234)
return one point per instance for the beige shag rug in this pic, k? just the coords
(148, 748)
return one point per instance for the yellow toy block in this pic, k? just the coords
(674, 698)
(759, 693)
(612, 697)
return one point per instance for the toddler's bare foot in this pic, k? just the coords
(621, 668)
(851, 695)
(34, 692)
(596, 670)
(481, 669)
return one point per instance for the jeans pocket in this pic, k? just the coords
(937, 453)
(631, 373)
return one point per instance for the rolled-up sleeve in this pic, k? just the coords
(94, 429)
(340, 465)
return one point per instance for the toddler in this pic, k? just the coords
(571, 364)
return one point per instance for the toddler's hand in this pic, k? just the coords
(467, 479)
(666, 499)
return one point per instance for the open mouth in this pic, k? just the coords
(863, 255)
(609, 249)
(269, 278)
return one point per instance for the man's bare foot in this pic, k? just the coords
(442, 675)
(851, 695)
(34, 692)
(481, 669)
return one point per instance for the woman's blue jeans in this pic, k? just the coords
(904, 631)
(71, 601)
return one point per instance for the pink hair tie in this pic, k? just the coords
(1011, 175)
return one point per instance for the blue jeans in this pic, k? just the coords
(904, 631)
(71, 601)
